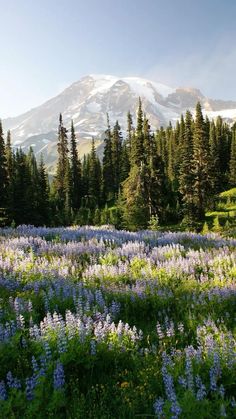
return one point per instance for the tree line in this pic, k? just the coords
(167, 176)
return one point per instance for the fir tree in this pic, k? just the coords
(162, 148)
(201, 183)
(43, 195)
(3, 179)
(23, 203)
(68, 211)
(134, 205)
(232, 163)
(156, 187)
(33, 189)
(214, 172)
(116, 157)
(61, 179)
(137, 150)
(9, 156)
(94, 177)
(10, 176)
(223, 139)
(76, 187)
(171, 156)
(148, 141)
(186, 178)
(108, 188)
(125, 162)
(130, 133)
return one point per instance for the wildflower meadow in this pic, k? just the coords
(100, 323)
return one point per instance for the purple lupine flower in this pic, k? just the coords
(158, 407)
(13, 382)
(181, 328)
(182, 381)
(189, 372)
(201, 389)
(61, 342)
(233, 402)
(170, 330)
(47, 349)
(3, 391)
(58, 376)
(175, 410)
(34, 364)
(215, 372)
(30, 386)
(93, 347)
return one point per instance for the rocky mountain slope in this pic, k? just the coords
(87, 102)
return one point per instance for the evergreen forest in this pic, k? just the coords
(145, 179)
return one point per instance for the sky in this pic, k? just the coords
(48, 44)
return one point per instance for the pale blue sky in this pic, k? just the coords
(48, 44)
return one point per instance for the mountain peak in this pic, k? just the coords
(88, 100)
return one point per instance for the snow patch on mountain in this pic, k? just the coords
(88, 101)
(224, 113)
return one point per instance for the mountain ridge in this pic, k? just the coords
(88, 100)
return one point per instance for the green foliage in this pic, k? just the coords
(177, 173)
(135, 208)
(216, 225)
(153, 223)
(205, 228)
(231, 193)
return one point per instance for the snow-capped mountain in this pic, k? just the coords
(89, 100)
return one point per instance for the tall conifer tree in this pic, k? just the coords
(201, 184)
(61, 179)
(187, 178)
(137, 150)
(116, 157)
(108, 188)
(232, 163)
(3, 170)
(75, 172)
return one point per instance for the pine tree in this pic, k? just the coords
(186, 178)
(134, 205)
(108, 188)
(130, 133)
(22, 190)
(85, 180)
(214, 172)
(232, 164)
(223, 139)
(68, 211)
(201, 183)
(171, 157)
(116, 157)
(156, 187)
(137, 150)
(3, 169)
(162, 148)
(9, 156)
(125, 162)
(33, 189)
(179, 140)
(3, 179)
(76, 187)
(43, 195)
(61, 177)
(148, 141)
(94, 178)
(10, 176)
